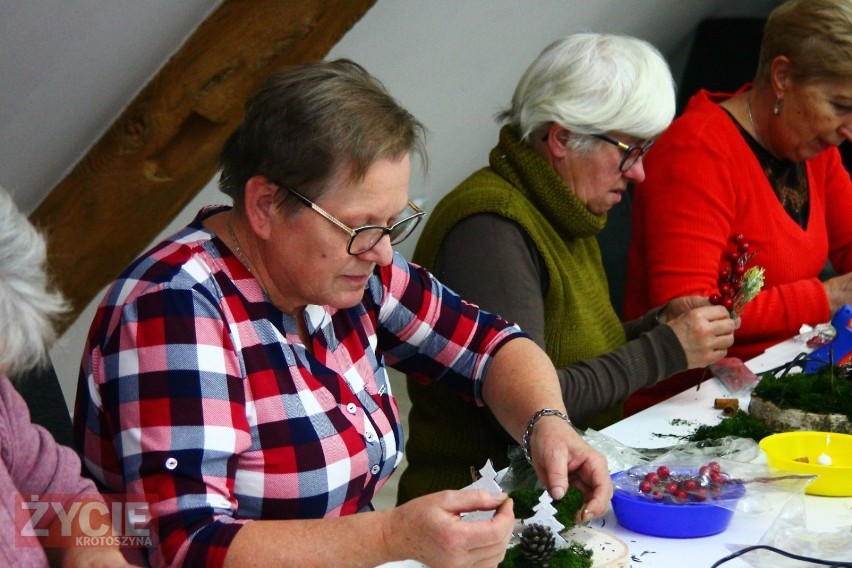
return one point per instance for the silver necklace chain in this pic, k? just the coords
(240, 254)
(751, 120)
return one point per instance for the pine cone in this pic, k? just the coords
(537, 543)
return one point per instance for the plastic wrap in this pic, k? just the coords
(621, 457)
(738, 379)
(781, 500)
(792, 533)
(743, 487)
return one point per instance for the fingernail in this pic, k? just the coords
(557, 493)
(588, 515)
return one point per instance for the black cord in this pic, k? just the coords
(799, 360)
(834, 563)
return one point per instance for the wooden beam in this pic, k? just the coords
(163, 149)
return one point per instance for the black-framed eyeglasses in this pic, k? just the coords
(632, 152)
(365, 238)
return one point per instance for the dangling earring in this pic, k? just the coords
(777, 109)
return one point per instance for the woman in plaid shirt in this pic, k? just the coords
(235, 373)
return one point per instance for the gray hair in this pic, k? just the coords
(28, 308)
(816, 35)
(593, 83)
(308, 122)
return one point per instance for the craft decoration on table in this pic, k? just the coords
(546, 533)
(676, 501)
(539, 540)
(728, 406)
(791, 401)
(738, 285)
(662, 485)
(540, 537)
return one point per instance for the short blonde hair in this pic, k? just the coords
(816, 35)
(28, 307)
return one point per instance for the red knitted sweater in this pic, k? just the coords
(704, 184)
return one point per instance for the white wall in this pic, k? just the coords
(68, 68)
(454, 64)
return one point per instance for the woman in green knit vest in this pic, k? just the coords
(519, 238)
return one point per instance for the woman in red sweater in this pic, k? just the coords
(762, 162)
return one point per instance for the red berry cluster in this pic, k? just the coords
(730, 277)
(661, 484)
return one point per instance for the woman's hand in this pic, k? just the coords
(555, 444)
(839, 291)
(430, 530)
(705, 333)
(680, 306)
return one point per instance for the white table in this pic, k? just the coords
(686, 409)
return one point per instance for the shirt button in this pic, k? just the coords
(171, 463)
(370, 436)
(351, 408)
(375, 470)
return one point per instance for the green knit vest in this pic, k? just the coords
(449, 435)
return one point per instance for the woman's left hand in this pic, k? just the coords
(561, 458)
(680, 306)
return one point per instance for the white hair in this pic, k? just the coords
(594, 83)
(28, 308)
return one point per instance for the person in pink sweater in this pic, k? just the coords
(762, 162)
(33, 467)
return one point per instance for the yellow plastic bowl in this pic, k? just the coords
(782, 451)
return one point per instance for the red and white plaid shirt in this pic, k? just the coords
(195, 389)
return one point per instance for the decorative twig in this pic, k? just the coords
(738, 285)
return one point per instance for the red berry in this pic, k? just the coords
(725, 273)
(658, 495)
(652, 477)
(663, 472)
(714, 466)
(704, 470)
(681, 495)
(700, 494)
(717, 478)
(739, 270)
(743, 248)
(646, 486)
(726, 290)
(728, 303)
(715, 299)
(672, 488)
(739, 237)
(690, 485)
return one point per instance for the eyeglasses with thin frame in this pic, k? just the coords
(632, 152)
(364, 238)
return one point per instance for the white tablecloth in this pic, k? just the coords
(679, 416)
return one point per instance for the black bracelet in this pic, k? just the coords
(525, 441)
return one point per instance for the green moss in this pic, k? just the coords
(828, 391)
(740, 424)
(524, 499)
(575, 556)
(568, 507)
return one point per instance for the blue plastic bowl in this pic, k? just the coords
(672, 520)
